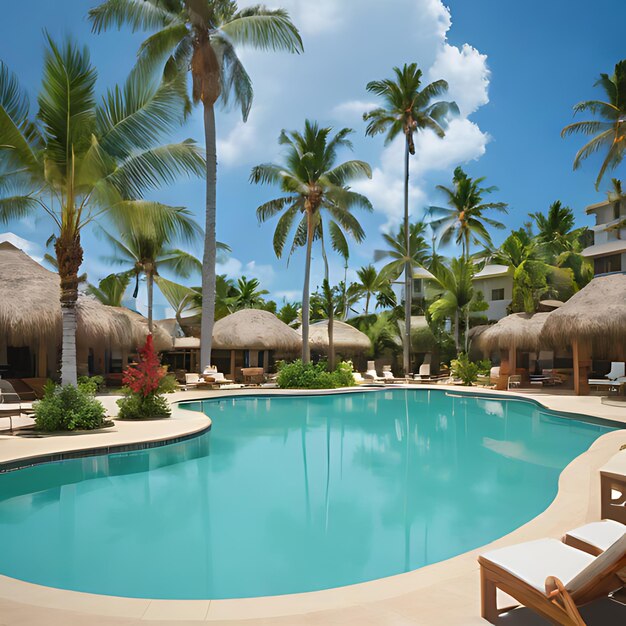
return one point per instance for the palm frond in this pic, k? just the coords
(138, 14)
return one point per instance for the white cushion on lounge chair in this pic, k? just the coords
(424, 369)
(387, 374)
(192, 378)
(358, 378)
(618, 370)
(601, 535)
(534, 561)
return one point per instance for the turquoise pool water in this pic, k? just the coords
(289, 494)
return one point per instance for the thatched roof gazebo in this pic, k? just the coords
(253, 338)
(519, 330)
(347, 339)
(594, 319)
(513, 333)
(30, 316)
(254, 329)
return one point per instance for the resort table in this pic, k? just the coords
(613, 488)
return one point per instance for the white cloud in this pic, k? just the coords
(467, 74)
(314, 18)
(235, 148)
(31, 248)
(289, 295)
(352, 110)
(234, 268)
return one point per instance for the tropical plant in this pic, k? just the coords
(418, 254)
(142, 398)
(199, 37)
(456, 298)
(383, 332)
(464, 369)
(609, 129)
(288, 313)
(555, 230)
(299, 375)
(145, 241)
(78, 158)
(247, 295)
(464, 218)
(408, 109)
(377, 284)
(315, 185)
(110, 289)
(68, 408)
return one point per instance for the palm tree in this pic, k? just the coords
(616, 196)
(555, 231)
(315, 184)
(407, 109)
(456, 295)
(111, 289)
(78, 159)
(198, 37)
(418, 253)
(373, 283)
(145, 241)
(561, 244)
(247, 295)
(289, 313)
(464, 219)
(609, 130)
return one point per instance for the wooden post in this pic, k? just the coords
(42, 358)
(582, 363)
(232, 365)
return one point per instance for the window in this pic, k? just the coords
(417, 285)
(607, 264)
(497, 294)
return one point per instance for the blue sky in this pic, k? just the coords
(515, 68)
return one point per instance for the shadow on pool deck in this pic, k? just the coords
(601, 613)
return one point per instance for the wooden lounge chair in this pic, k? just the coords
(514, 382)
(371, 373)
(549, 577)
(595, 537)
(11, 405)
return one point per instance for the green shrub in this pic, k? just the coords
(91, 384)
(464, 369)
(296, 375)
(484, 367)
(168, 384)
(68, 408)
(134, 406)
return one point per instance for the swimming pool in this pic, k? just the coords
(290, 494)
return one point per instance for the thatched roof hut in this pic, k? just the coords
(348, 340)
(596, 314)
(254, 329)
(30, 312)
(519, 330)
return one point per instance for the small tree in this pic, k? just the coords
(143, 380)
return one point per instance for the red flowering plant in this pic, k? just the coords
(142, 399)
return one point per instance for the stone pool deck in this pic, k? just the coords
(445, 593)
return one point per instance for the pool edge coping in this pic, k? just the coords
(337, 598)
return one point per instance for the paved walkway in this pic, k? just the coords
(442, 594)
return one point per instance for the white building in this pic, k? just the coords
(496, 283)
(608, 251)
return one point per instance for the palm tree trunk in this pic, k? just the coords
(407, 268)
(150, 286)
(69, 258)
(331, 340)
(367, 302)
(208, 260)
(456, 330)
(306, 351)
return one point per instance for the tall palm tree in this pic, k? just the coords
(609, 129)
(455, 296)
(464, 218)
(418, 249)
(407, 109)
(78, 158)
(147, 246)
(374, 283)
(315, 185)
(111, 289)
(199, 37)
